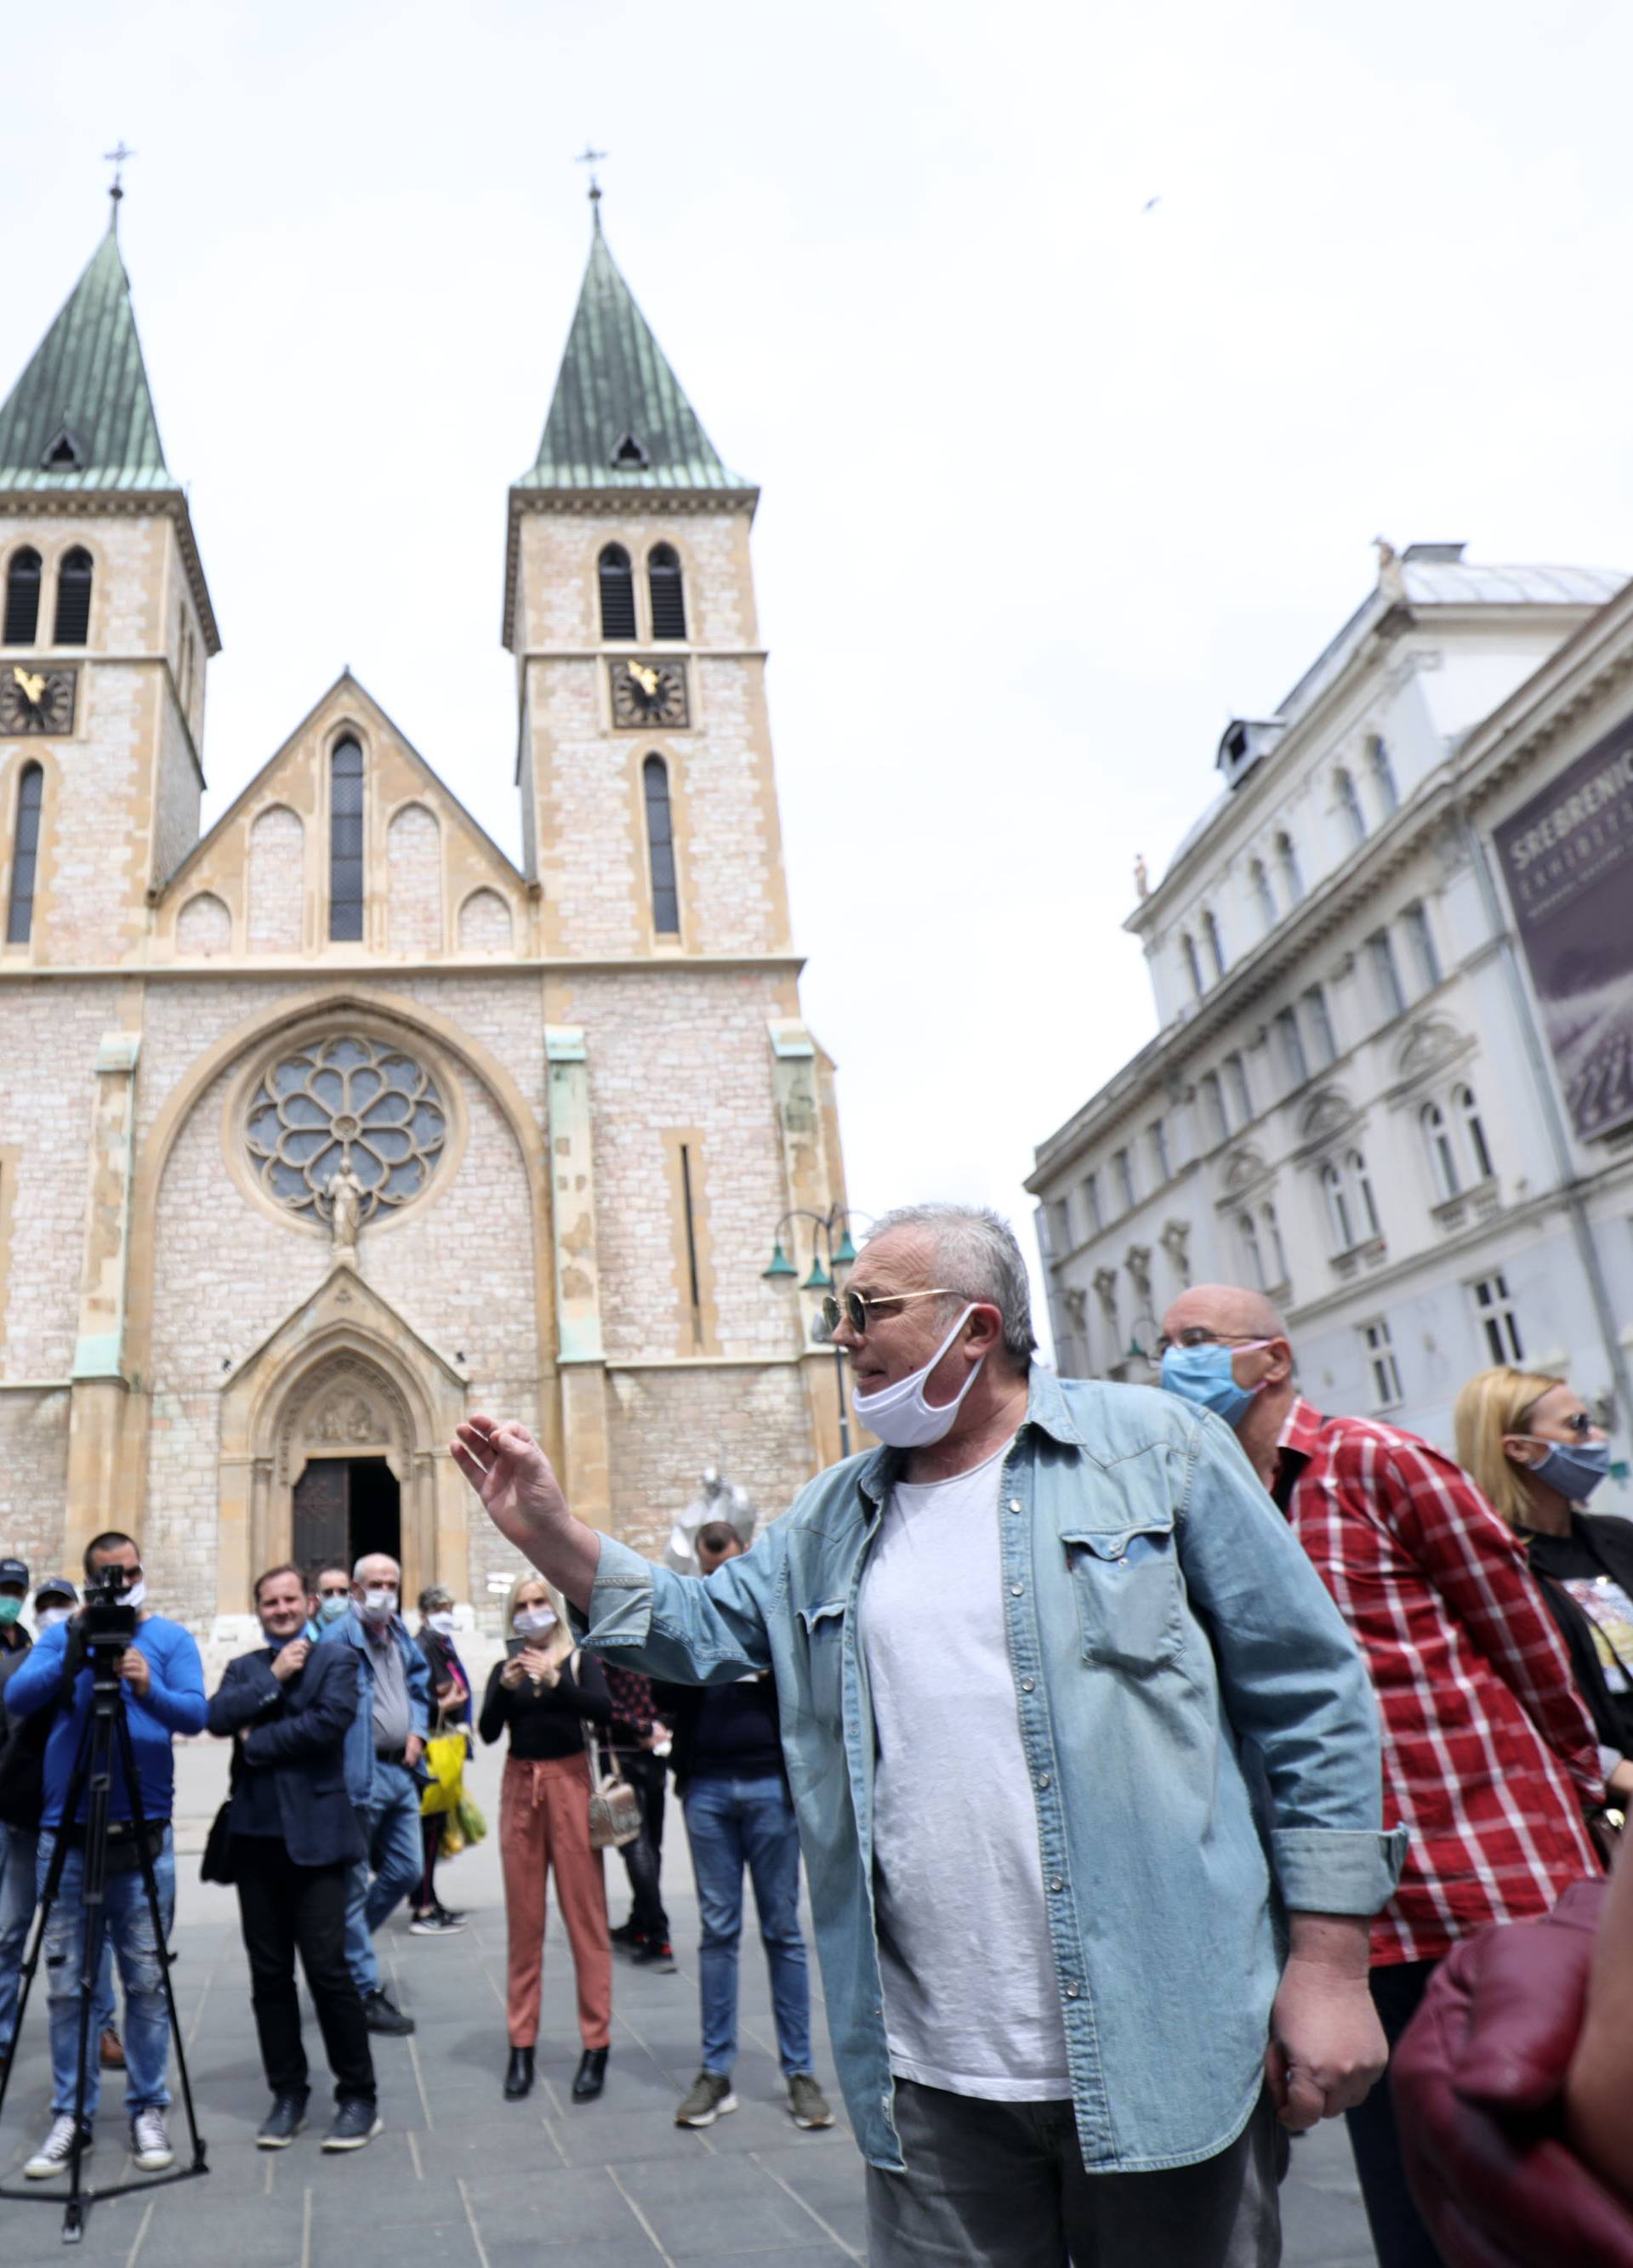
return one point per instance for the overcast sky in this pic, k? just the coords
(1053, 483)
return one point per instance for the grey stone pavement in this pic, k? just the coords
(463, 2179)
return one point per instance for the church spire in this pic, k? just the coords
(619, 419)
(81, 416)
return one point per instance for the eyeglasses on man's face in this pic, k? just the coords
(1196, 1334)
(857, 1308)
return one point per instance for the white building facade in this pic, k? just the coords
(1352, 1102)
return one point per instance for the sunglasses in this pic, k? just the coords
(856, 1308)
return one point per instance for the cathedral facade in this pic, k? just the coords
(321, 1128)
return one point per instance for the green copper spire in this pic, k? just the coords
(81, 417)
(619, 420)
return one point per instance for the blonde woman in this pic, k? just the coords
(1532, 1444)
(542, 1691)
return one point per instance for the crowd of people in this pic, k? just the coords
(1163, 1761)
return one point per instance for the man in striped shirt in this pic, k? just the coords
(1489, 1755)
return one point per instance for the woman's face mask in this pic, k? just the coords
(534, 1622)
(1575, 1470)
(442, 1623)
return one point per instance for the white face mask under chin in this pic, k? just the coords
(900, 1414)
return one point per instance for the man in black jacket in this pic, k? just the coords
(294, 1838)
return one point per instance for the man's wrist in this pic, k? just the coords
(1338, 1943)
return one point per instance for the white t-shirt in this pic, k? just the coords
(971, 1999)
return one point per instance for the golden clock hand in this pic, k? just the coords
(33, 687)
(646, 679)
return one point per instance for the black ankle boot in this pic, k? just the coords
(590, 2076)
(519, 2074)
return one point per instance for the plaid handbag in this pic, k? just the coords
(614, 1807)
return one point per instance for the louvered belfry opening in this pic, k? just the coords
(19, 913)
(345, 842)
(669, 600)
(661, 847)
(73, 598)
(618, 594)
(22, 597)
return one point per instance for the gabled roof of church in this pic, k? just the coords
(619, 419)
(81, 416)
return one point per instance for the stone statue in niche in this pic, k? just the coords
(342, 1201)
(717, 1498)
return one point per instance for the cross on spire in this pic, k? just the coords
(592, 159)
(117, 157)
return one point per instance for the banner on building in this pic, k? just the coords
(1567, 858)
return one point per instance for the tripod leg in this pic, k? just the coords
(150, 1883)
(92, 1900)
(48, 1899)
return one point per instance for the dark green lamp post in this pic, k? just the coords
(832, 1249)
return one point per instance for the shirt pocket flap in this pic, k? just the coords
(812, 1616)
(1149, 1541)
(1125, 1583)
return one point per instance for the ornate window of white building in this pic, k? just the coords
(1252, 1252)
(1287, 866)
(1240, 1093)
(1349, 807)
(1291, 1046)
(1421, 938)
(1263, 896)
(1385, 973)
(1122, 1168)
(1351, 1211)
(1442, 1154)
(1211, 1097)
(1275, 1251)
(1091, 1203)
(1193, 966)
(1383, 1370)
(1475, 1133)
(1493, 1313)
(1157, 1133)
(1317, 1015)
(1383, 773)
(1213, 942)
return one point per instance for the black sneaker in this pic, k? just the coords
(381, 2013)
(654, 1953)
(627, 1935)
(285, 2120)
(356, 2124)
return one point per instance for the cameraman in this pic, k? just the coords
(163, 1683)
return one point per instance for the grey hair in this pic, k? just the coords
(356, 1572)
(978, 1256)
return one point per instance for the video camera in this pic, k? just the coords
(107, 1622)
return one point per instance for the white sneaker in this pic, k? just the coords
(150, 2145)
(55, 2151)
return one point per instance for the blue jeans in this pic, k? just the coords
(731, 1822)
(390, 1824)
(128, 1926)
(20, 1859)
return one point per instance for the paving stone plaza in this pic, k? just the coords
(463, 2179)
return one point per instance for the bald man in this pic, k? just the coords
(1489, 1755)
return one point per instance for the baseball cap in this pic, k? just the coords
(56, 1587)
(14, 1571)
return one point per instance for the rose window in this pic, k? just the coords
(350, 1102)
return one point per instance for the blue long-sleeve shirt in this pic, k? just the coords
(174, 1703)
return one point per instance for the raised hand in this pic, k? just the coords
(290, 1659)
(523, 1498)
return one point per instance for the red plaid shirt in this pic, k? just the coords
(632, 1704)
(1488, 1752)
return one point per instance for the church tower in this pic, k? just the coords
(650, 829)
(106, 629)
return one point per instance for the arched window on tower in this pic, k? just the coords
(345, 842)
(22, 597)
(19, 913)
(618, 594)
(1479, 1149)
(661, 847)
(1442, 1157)
(669, 600)
(73, 598)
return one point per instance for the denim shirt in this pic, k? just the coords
(360, 1733)
(1161, 1617)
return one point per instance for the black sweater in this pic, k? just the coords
(1598, 1544)
(547, 1723)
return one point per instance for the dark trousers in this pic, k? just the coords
(286, 1908)
(1003, 2185)
(1398, 2236)
(430, 1842)
(643, 1858)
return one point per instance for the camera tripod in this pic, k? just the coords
(108, 1731)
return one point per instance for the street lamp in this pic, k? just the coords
(832, 1249)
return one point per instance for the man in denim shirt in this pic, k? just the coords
(1019, 1782)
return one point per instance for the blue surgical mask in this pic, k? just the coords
(330, 1610)
(1575, 1472)
(1203, 1375)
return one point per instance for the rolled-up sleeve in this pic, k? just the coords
(1294, 1684)
(676, 1627)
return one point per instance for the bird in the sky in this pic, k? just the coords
(1151, 203)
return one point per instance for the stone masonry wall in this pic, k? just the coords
(669, 1423)
(277, 881)
(33, 1479)
(414, 881)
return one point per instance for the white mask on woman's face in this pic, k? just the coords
(534, 1622)
(442, 1623)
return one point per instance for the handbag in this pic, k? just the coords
(614, 1806)
(216, 1865)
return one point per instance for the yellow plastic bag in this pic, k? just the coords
(445, 1761)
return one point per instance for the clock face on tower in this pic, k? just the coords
(35, 700)
(648, 693)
